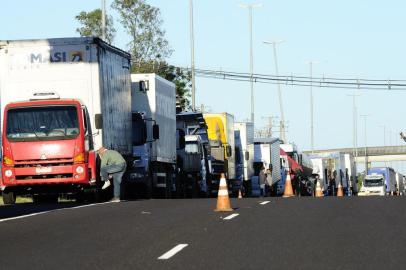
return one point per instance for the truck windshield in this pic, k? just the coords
(191, 147)
(42, 123)
(373, 182)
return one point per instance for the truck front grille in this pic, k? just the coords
(44, 176)
(42, 162)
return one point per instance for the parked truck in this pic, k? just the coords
(244, 154)
(267, 155)
(400, 184)
(222, 149)
(60, 100)
(379, 181)
(193, 155)
(300, 168)
(153, 106)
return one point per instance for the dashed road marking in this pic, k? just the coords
(265, 202)
(172, 252)
(230, 216)
(50, 211)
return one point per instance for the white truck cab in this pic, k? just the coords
(374, 184)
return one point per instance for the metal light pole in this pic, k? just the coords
(250, 7)
(365, 134)
(384, 140)
(355, 126)
(282, 121)
(103, 18)
(192, 55)
(311, 63)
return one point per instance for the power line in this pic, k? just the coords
(321, 82)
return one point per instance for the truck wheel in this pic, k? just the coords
(9, 197)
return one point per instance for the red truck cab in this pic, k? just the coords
(47, 148)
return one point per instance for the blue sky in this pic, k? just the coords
(363, 38)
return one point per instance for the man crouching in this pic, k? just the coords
(114, 165)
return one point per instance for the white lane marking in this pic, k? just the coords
(265, 202)
(50, 211)
(172, 252)
(25, 216)
(230, 217)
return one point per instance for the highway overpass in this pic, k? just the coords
(374, 153)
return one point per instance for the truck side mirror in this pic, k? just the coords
(98, 120)
(155, 132)
(229, 151)
(247, 155)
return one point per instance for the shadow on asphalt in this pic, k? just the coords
(9, 211)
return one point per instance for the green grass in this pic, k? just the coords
(19, 200)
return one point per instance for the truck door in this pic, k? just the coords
(89, 145)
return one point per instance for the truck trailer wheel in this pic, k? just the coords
(9, 197)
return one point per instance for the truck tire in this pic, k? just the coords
(9, 197)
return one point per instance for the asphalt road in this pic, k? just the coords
(294, 233)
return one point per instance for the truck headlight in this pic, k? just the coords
(79, 169)
(8, 173)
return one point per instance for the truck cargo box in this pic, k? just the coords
(156, 98)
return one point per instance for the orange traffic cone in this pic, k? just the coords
(239, 194)
(319, 193)
(288, 192)
(223, 201)
(340, 190)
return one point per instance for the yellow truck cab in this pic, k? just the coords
(221, 136)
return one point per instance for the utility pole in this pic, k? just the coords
(270, 125)
(192, 55)
(365, 134)
(282, 121)
(250, 7)
(103, 3)
(311, 63)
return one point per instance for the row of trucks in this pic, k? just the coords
(382, 181)
(334, 169)
(62, 99)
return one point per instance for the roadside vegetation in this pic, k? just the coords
(19, 200)
(147, 45)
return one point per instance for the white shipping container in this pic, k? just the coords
(400, 184)
(268, 152)
(246, 132)
(319, 166)
(158, 103)
(87, 69)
